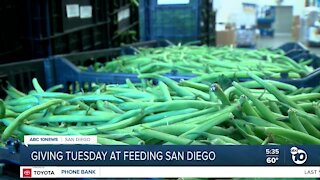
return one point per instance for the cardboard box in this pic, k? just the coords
(296, 20)
(226, 38)
(296, 32)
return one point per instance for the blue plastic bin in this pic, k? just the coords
(297, 51)
(68, 74)
(20, 74)
(292, 46)
(63, 69)
(266, 32)
(175, 22)
(265, 20)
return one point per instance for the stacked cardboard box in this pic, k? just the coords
(296, 27)
(225, 35)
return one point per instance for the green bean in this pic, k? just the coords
(199, 86)
(316, 89)
(10, 113)
(295, 121)
(177, 105)
(110, 127)
(37, 86)
(308, 107)
(317, 110)
(274, 107)
(9, 130)
(75, 118)
(2, 109)
(298, 91)
(55, 88)
(214, 120)
(166, 114)
(165, 91)
(170, 83)
(307, 90)
(263, 110)
(303, 97)
(82, 105)
(252, 140)
(176, 119)
(65, 109)
(130, 84)
(57, 95)
(20, 108)
(10, 94)
(132, 141)
(280, 85)
(105, 141)
(29, 129)
(166, 137)
(259, 122)
(294, 135)
(126, 106)
(273, 90)
(310, 128)
(266, 141)
(220, 94)
(113, 107)
(125, 115)
(23, 100)
(101, 106)
(226, 139)
(199, 94)
(314, 120)
(136, 95)
(246, 107)
(16, 91)
(93, 98)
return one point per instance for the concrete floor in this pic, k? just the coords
(278, 40)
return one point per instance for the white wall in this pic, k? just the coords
(229, 10)
(298, 6)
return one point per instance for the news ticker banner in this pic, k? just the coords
(81, 156)
(84, 151)
(169, 172)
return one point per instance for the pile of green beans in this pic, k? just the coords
(208, 62)
(161, 111)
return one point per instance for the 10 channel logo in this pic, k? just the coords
(298, 156)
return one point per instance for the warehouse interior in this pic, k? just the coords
(158, 72)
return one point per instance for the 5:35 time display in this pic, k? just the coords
(273, 151)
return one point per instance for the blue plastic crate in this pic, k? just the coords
(266, 32)
(313, 44)
(265, 20)
(292, 46)
(297, 51)
(68, 74)
(304, 55)
(132, 48)
(63, 69)
(247, 46)
(175, 22)
(20, 74)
